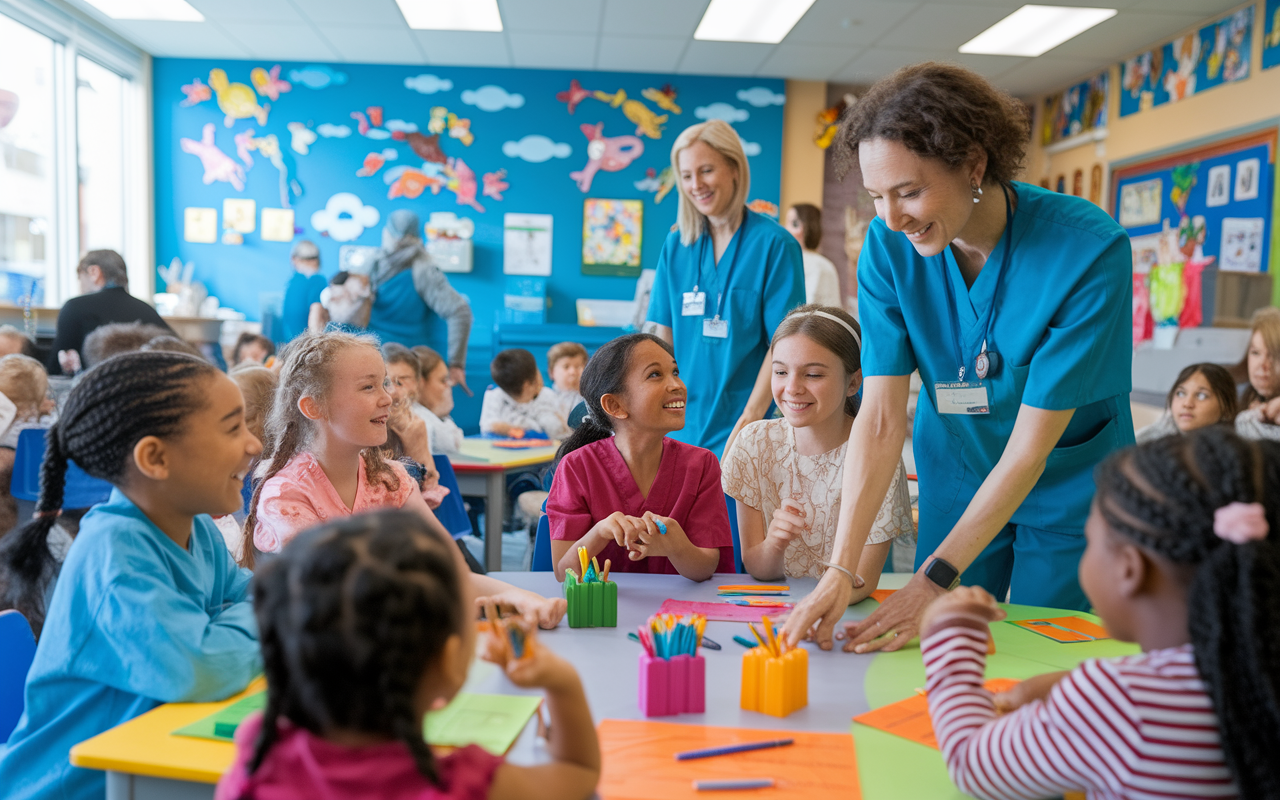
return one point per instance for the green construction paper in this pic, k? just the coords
(220, 726)
(892, 767)
(493, 721)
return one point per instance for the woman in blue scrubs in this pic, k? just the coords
(1014, 303)
(725, 279)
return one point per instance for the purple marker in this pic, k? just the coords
(722, 786)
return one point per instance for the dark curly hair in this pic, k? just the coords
(1162, 496)
(940, 111)
(350, 615)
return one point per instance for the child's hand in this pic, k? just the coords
(788, 522)
(545, 612)
(971, 601)
(619, 528)
(652, 541)
(541, 669)
(1030, 690)
(515, 433)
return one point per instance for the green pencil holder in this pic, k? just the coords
(591, 605)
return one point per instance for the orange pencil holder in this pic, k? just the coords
(773, 685)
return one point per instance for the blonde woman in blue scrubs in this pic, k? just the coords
(1015, 305)
(725, 280)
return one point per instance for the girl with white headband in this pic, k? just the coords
(785, 473)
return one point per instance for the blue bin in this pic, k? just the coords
(82, 490)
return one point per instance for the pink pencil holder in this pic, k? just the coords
(672, 686)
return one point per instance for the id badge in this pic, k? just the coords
(695, 304)
(962, 397)
(715, 328)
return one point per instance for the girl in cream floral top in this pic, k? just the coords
(786, 473)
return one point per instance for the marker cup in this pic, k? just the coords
(672, 686)
(591, 605)
(772, 685)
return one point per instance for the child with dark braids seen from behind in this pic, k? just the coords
(1182, 558)
(148, 607)
(366, 624)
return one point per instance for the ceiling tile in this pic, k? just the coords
(464, 48)
(879, 62)
(278, 41)
(942, 27)
(553, 50)
(373, 45)
(248, 10)
(555, 16)
(180, 39)
(807, 62)
(365, 12)
(636, 54)
(843, 23)
(653, 17)
(723, 58)
(1201, 9)
(1127, 32)
(1047, 73)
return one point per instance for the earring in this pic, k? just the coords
(977, 192)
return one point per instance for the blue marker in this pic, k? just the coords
(662, 526)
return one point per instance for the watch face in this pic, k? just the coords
(943, 574)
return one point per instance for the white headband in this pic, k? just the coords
(856, 338)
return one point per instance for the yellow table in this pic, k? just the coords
(482, 470)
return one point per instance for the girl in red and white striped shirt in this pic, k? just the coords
(1182, 558)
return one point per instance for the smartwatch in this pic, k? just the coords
(943, 573)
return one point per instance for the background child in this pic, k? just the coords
(1259, 416)
(375, 612)
(434, 401)
(149, 608)
(324, 456)
(253, 348)
(1182, 558)
(1202, 395)
(407, 434)
(821, 282)
(25, 384)
(565, 363)
(116, 338)
(258, 386)
(520, 402)
(620, 481)
(786, 473)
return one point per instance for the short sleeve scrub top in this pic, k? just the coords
(722, 317)
(1053, 304)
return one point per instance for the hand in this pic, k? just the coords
(317, 318)
(541, 668)
(651, 541)
(815, 616)
(544, 612)
(69, 360)
(970, 601)
(619, 528)
(896, 622)
(1271, 411)
(788, 523)
(412, 432)
(459, 377)
(1030, 690)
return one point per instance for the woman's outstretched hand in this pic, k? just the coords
(815, 617)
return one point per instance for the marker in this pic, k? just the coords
(733, 748)
(662, 526)
(745, 642)
(745, 783)
(707, 643)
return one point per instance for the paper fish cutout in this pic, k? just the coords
(370, 131)
(664, 98)
(647, 123)
(269, 148)
(218, 166)
(197, 92)
(574, 95)
(236, 100)
(611, 154)
(495, 183)
(410, 183)
(660, 183)
(764, 207)
(375, 115)
(269, 84)
(438, 121)
(425, 147)
(372, 163)
(463, 184)
(302, 138)
(442, 120)
(614, 100)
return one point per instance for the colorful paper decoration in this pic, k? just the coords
(426, 147)
(664, 98)
(344, 217)
(462, 183)
(647, 123)
(764, 207)
(236, 100)
(1077, 110)
(269, 147)
(536, 148)
(372, 163)
(443, 120)
(1140, 203)
(238, 214)
(317, 76)
(277, 224)
(1217, 53)
(611, 233)
(1271, 35)
(269, 84)
(495, 183)
(197, 92)
(660, 183)
(200, 225)
(573, 95)
(492, 98)
(1242, 244)
(410, 182)
(611, 154)
(301, 138)
(218, 166)
(368, 123)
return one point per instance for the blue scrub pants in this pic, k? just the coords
(1035, 566)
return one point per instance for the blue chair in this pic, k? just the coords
(19, 648)
(82, 490)
(542, 546)
(733, 529)
(452, 513)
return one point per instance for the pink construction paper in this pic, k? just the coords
(719, 612)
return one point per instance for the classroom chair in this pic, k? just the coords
(19, 648)
(82, 490)
(452, 512)
(733, 529)
(542, 545)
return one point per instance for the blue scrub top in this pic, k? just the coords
(1062, 326)
(761, 274)
(299, 293)
(135, 621)
(399, 314)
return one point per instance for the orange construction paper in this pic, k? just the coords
(640, 764)
(880, 595)
(910, 718)
(1091, 631)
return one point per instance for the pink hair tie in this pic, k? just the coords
(1241, 522)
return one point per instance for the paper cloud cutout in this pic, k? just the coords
(390, 154)
(377, 133)
(399, 125)
(427, 83)
(492, 98)
(344, 217)
(536, 148)
(722, 111)
(317, 76)
(761, 97)
(750, 148)
(330, 131)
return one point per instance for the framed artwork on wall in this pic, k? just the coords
(611, 236)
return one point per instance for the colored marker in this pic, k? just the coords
(744, 641)
(604, 576)
(744, 783)
(733, 748)
(662, 526)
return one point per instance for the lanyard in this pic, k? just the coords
(737, 246)
(990, 314)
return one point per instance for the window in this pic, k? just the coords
(101, 156)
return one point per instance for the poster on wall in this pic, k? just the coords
(277, 224)
(1218, 53)
(1219, 191)
(526, 244)
(1080, 109)
(1248, 173)
(1140, 203)
(1241, 245)
(1271, 35)
(200, 225)
(611, 232)
(238, 214)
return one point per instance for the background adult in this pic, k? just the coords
(1015, 305)
(821, 282)
(303, 289)
(408, 288)
(104, 298)
(725, 279)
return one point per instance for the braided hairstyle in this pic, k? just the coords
(1162, 496)
(350, 616)
(114, 406)
(606, 373)
(307, 372)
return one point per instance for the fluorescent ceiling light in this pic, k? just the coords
(165, 10)
(451, 15)
(765, 21)
(1034, 30)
